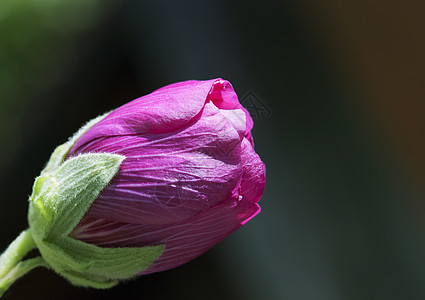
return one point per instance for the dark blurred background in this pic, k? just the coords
(343, 211)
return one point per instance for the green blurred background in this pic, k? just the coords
(342, 214)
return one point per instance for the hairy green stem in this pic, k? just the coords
(16, 251)
(19, 270)
(11, 267)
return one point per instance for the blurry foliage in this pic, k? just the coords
(38, 51)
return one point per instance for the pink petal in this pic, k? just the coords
(224, 97)
(170, 177)
(183, 241)
(164, 110)
(254, 173)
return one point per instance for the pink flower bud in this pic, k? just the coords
(190, 177)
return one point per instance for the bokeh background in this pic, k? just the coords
(343, 211)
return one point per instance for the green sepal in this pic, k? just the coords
(62, 197)
(89, 265)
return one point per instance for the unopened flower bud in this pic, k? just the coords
(149, 186)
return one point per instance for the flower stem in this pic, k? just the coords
(11, 267)
(16, 251)
(19, 270)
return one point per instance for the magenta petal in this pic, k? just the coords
(254, 173)
(170, 177)
(224, 97)
(191, 239)
(183, 241)
(164, 110)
